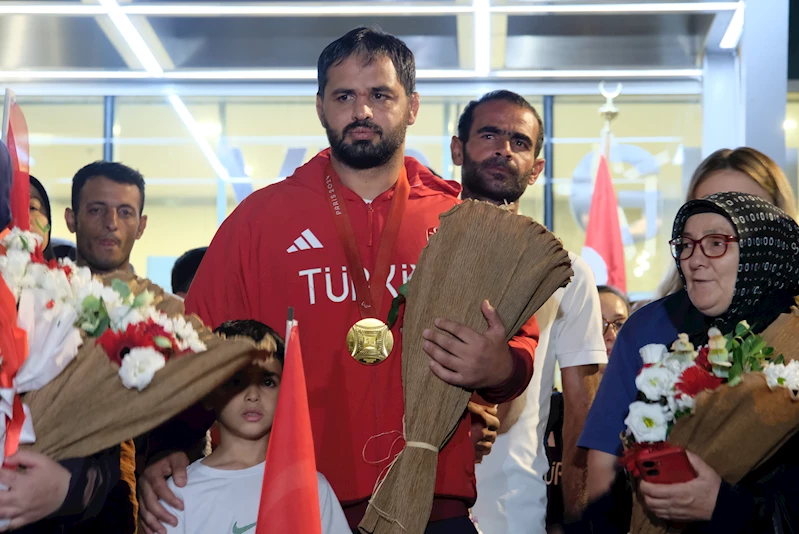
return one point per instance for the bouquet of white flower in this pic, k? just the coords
(102, 360)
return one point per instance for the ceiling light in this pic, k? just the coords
(789, 124)
(333, 9)
(600, 73)
(194, 129)
(71, 75)
(618, 8)
(51, 9)
(734, 30)
(132, 37)
(482, 38)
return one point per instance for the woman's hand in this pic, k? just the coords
(686, 502)
(33, 493)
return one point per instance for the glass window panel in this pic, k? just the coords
(654, 136)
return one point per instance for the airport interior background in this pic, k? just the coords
(213, 99)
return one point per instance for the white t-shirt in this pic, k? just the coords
(221, 501)
(511, 491)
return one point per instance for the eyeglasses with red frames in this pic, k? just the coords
(712, 245)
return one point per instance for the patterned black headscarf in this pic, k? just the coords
(768, 268)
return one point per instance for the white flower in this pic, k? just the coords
(677, 365)
(792, 375)
(775, 375)
(124, 316)
(186, 336)
(13, 267)
(139, 366)
(653, 353)
(647, 422)
(22, 240)
(655, 382)
(685, 402)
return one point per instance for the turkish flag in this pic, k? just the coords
(604, 250)
(16, 139)
(289, 494)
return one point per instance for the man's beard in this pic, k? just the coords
(486, 183)
(364, 154)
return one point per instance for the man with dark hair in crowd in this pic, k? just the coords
(106, 215)
(44, 496)
(499, 141)
(106, 218)
(306, 241)
(184, 270)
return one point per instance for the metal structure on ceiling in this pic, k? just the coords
(150, 47)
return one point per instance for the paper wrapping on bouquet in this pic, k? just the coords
(480, 252)
(735, 430)
(86, 409)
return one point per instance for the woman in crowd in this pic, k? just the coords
(40, 219)
(615, 308)
(743, 169)
(722, 265)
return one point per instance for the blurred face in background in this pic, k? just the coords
(731, 180)
(39, 218)
(614, 315)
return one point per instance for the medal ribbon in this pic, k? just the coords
(370, 293)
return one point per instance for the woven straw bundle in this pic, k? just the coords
(480, 252)
(86, 409)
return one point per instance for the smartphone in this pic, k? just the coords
(665, 466)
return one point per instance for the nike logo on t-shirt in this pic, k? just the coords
(241, 530)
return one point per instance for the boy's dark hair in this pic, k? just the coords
(254, 330)
(368, 44)
(185, 268)
(617, 292)
(116, 172)
(467, 117)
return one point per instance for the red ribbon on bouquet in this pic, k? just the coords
(13, 351)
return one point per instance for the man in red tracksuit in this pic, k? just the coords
(360, 206)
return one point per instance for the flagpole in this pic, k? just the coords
(609, 111)
(289, 324)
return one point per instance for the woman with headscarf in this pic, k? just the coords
(41, 221)
(738, 256)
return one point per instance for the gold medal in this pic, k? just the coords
(370, 341)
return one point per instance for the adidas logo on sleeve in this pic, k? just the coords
(306, 241)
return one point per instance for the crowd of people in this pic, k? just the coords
(525, 458)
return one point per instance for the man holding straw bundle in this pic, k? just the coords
(337, 240)
(499, 141)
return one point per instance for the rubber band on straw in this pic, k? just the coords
(422, 445)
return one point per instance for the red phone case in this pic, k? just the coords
(665, 466)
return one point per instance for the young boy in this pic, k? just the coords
(224, 488)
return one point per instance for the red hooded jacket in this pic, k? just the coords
(280, 248)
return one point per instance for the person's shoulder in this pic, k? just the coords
(652, 311)
(425, 184)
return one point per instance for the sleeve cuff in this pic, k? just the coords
(735, 506)
(515, 384)
(73, 504)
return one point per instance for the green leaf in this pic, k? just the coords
(781, 381)
(756, 367)
(779, 359)
(740, 329)
(768, 351)
(102, 326)
(90, 303)
(162, 342)
(139, 300)
(393, 313)
(403, 289)
(120, 287)
(735, 380)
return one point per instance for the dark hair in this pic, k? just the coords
(116, 172)
(185, 268)
(467, 117)
(368, 44)
(254, 330)
(617, 292)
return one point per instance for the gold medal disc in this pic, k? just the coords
(370, 341)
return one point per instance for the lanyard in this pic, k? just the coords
(370, 293)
